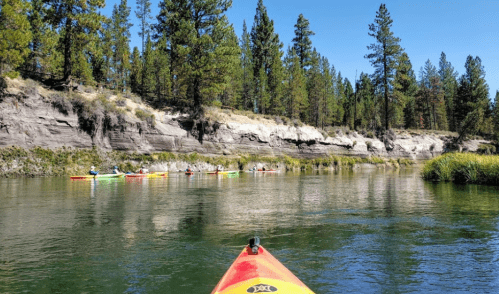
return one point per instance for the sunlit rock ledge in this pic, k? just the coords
(28, 118)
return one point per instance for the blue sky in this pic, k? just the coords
(426, 28)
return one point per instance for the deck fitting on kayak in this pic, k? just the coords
(254, 244)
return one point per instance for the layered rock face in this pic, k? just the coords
(32, 120)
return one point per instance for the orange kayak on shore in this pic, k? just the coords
(255, 270)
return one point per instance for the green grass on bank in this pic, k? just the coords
(463, 168)
(16, 161)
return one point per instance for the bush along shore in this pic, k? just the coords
(463, 168)
(38, 161)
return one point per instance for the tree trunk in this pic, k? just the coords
(67, 49)
(386, 89)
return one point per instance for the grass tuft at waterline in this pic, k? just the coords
(463, 168)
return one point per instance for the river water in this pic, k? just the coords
(364, 231)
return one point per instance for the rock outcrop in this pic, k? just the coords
(32, 119)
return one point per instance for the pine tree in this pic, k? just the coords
(98, 61)
(385, 53)
(328, 106)
(297, 100)
(15, 35)
(38, 26)
(121, 48)
(275, 76)
(162, 74)
(136, 71)
(370, 118)
(340, 100)
(43, 57)
(79, 21)
(143, 14)
(107, 47)
(301, 42)
(248, 87)
(348, 104)
(449, 84)
(496, 115)
(148, 74)
(266, 51)
(232, 83)
(200, 55)
(404, 90)
(472, 98)
(315, 90)
(428, 95)
(262, 97)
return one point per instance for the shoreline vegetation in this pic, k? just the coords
(38, 161)
(463, 168)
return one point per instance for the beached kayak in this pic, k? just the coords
(103, 176)
(255, 270)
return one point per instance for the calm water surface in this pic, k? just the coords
(370, 231)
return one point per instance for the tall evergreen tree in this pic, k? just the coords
(136, 71)
(301, 42)
(43, 57)
(106, 47)
(143, 14)
(15, 35)
(315, 90)
(404, 91)
(162, 73)
(472, 98)
(36, 14)
(496, 115)
(348, 105)
(148, 74)
(328, 106)
(79, 21)
(262, 96)
(297, 100)
(200, 55)
(275, 76)
(232, 82)
(385, 53)
(121, 38)
(265, 48)
(248, 88)
(448, 77)
(370, 118)
(429, 94)
(340, 100)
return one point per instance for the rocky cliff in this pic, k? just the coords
(30, 117)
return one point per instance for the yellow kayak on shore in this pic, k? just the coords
(255, 270)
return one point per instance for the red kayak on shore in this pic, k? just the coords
(255, 270)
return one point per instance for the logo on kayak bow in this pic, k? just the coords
(261, 288)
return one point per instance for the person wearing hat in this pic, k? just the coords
(92, 171)
(116, 171)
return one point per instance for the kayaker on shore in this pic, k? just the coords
(92, 171)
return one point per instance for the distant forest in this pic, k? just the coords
(190, 56)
